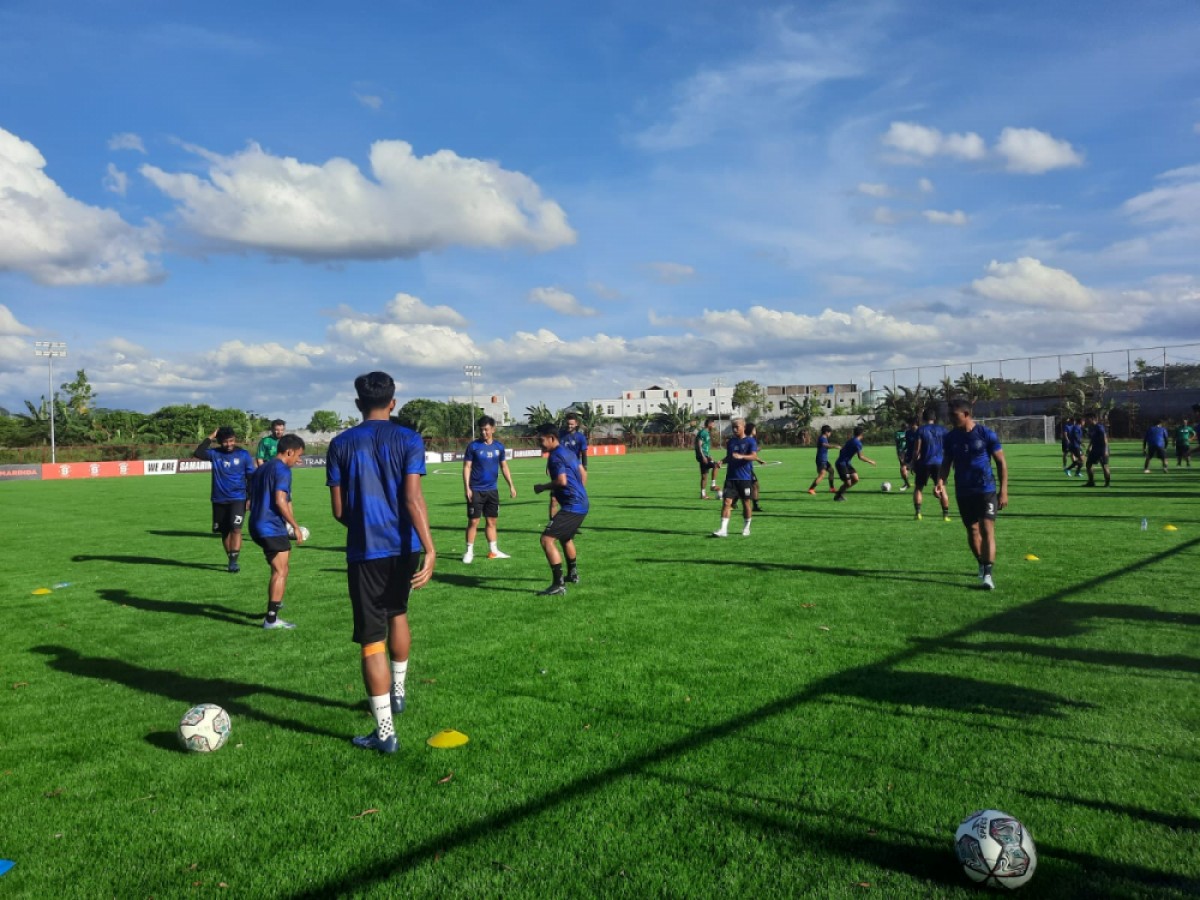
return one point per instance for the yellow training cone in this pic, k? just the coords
(42, 591)
(444, 740)
(1031, 557)
(1165, 528)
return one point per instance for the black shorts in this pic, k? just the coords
(927, 472)
(706, 464)
(1075, 450)
(824, 465)
(737, 489)
(973, 508)
(564, 525)
(1097, 456)
(272, 544)
(1157, 453)
(379, 590)
(484, 503)
(228, 517)
(845, 471)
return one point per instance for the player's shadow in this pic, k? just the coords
(477, 581)
(147, 561)
(1174, 663)
(187, 691)
(180, 607)
(196, 534)
(836, 571)
(1053, 617)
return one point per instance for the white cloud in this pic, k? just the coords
(126, 140)
(671, 272)
(1033, 152)
(9, 326)
(115, 180)
(405, 309)
(925, 186)
(937, 217)
(425, 347)
(257, 356)
(1028, 282)
(371, 101)
(923, 142)
(600, 289)
(1177, 202)
(884, 215)
(560, 301)
(58, 240)
(874, 190)
(412, 205)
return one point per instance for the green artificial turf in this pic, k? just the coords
(809, 711)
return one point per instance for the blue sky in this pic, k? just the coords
(249, 204)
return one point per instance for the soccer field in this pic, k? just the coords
(809, 711)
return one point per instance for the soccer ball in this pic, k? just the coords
(204, 728)
(995, 849)
(886, 487)
(303, 532)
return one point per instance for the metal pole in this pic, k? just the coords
(719, 383)
(472, 372)
(1164, 368)
(50, 349)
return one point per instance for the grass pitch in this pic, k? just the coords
(809, 711)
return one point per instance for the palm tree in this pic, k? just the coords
(974, 387)
(633, 427)
(802, 409)
(674, 417)
(590, 415)
(540, 415)
(901, 405)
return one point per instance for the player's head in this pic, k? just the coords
(751, 428)
(487, 427)
(826, 429)
(547, 436)
(931, 415)
(859, 431)
(226, 437)
(572, 421)
(960, 410)
(708, 423)
(290, 448)
(912, 423)
(278, 426)
(376, 390)
(738, 426)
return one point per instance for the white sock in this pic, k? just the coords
(381, 706)
(746, 527)
(724, 527)
(470, 548)
(492, 546)
(399, 670)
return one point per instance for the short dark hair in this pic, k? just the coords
(751, 428)
(826, 429)
(547, 430)
(275, 422)
(375, 391)
(961, 405)
(486, 420)
(224, 433)
(931, 415)
(289, 442)
(859, 431)
(710, 420)
(571, 415)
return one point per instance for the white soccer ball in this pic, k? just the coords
(886, 487)
(204, 728)
(995, 849)
(304, 532)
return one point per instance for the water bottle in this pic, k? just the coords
(1145, 524)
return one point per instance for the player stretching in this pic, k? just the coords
(845, 463)
(1183, 439)
(374, 471)
(482, 463)
(824, 466)
(970, 448)
(741, 452)
(576, 442)
(1154, 445)
(231, 468)
(566, 483)
(927, 456)
(1097, 450)
(269, 445)
(271, 517)
(708, 465)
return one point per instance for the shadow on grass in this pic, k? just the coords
(1176, 663)
(148, 561)
(198, 534)
(964, 580)
(187, 690)
(478, 581)
(181, 607)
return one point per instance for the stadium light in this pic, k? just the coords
(50, 350)
(719, 383)
(472, 372)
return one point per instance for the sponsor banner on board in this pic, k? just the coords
(18, 472)
(111, 469)
(192, 464)
(160, 466)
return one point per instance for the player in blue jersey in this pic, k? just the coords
(1154, 445)
(1074, 434)
(1097, 453)
(483, 463)
(1065, 441)
(927, 461)
(970, 448)
(845, 463)
(575, 441)
(906, 457)
(752, 432)
(374, 473)
(272, 520)
(741, 453)
(231, 468)
(566, 483)
(824, 466)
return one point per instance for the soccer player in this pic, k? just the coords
(708, 465)
(824, 466)
(1097, 450)
(927, 456)
(269, 445)
(1183, 439)
(752, 432)
(483, 462)
(567, 479)
(741, 452)
(1075, 448)
(231, 468)
(1154, 445)
(271, 517)
(970, 448)
(373, 472)
(910, 445)
(574, 440)
(1065, 441)
(845, 463)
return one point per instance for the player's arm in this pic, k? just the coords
(1001, 477)
(201, 451)
(865, 459)
(414, 502)
(583, 465)
(512, 488)
(283, 503)
(337, 502)
(559, 480)
(943, 471)
(917, 447)
(467, 479)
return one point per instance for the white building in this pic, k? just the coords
(645, 401)
(830, 396)
(494, 405)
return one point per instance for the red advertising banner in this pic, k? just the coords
(112, 469)
(606, 450)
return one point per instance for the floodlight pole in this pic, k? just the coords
(472, 372)
(719, 383)
(50, 349)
